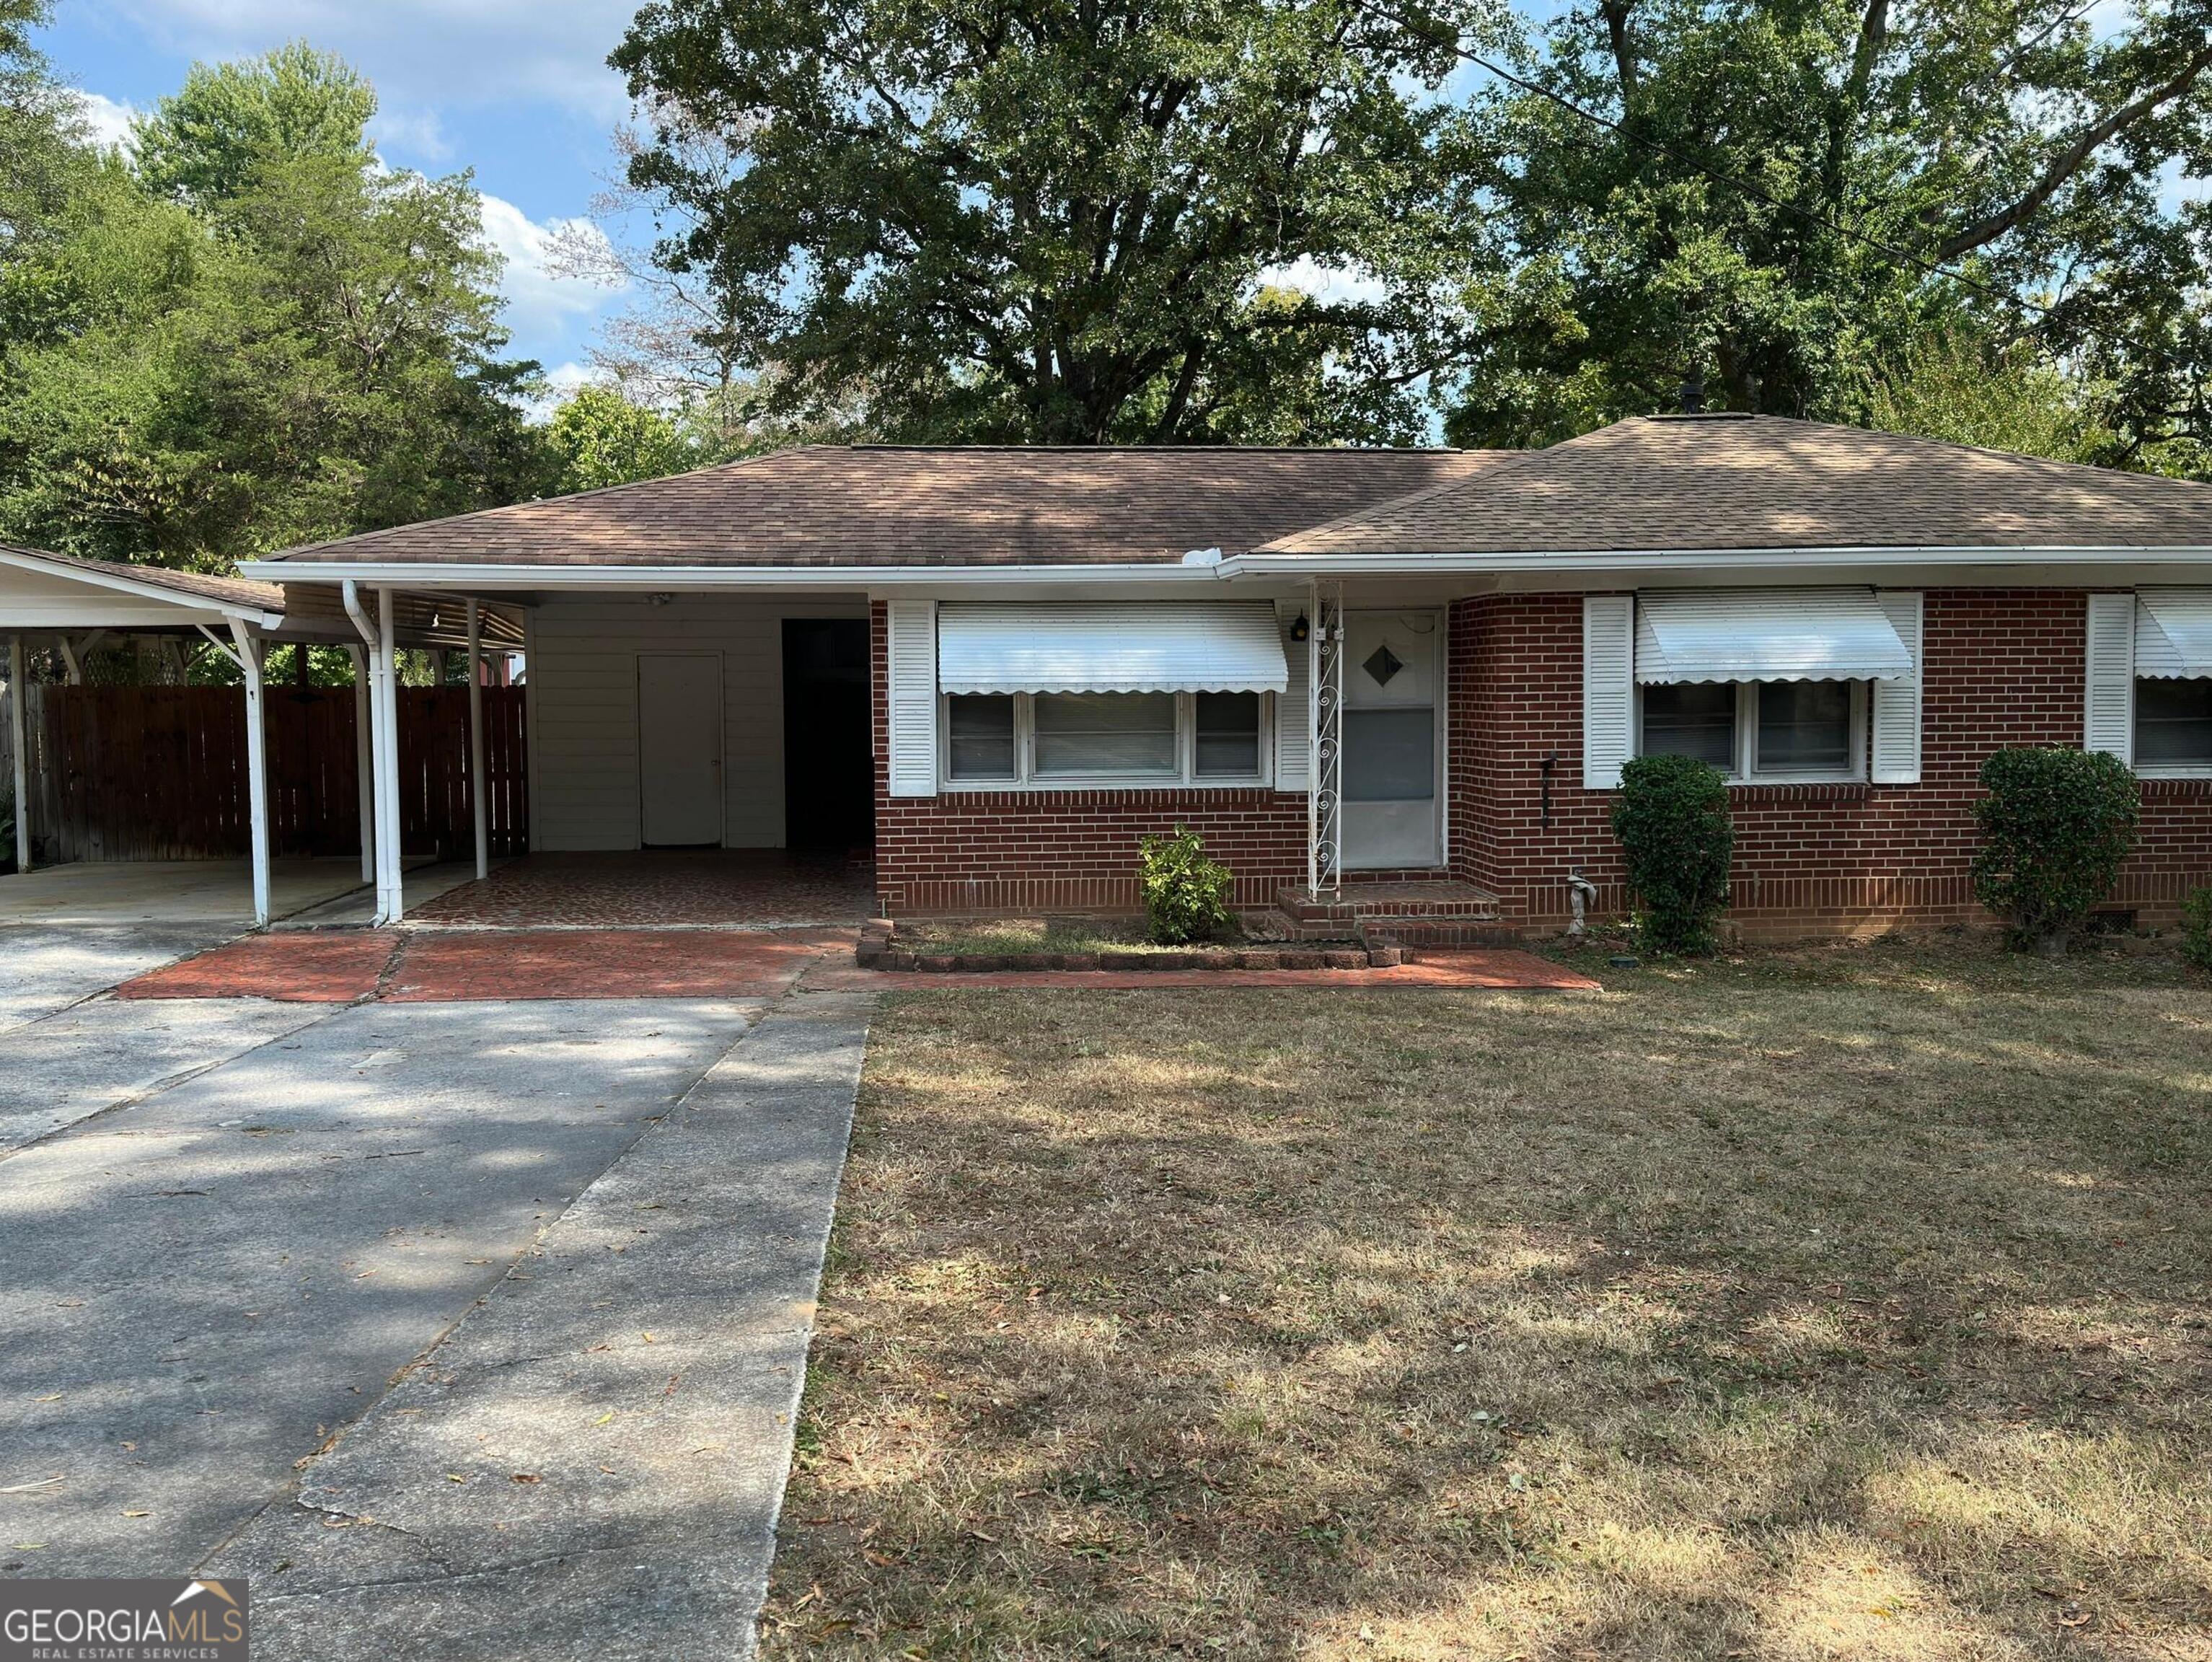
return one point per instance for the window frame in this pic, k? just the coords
(2158, 770)
(1745, 771)
(1185, 777)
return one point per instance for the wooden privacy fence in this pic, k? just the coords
(159, 773)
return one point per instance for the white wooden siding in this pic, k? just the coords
(583, 713)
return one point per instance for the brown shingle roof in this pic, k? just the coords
(228, 591)
(870, 505)
(1767, 482)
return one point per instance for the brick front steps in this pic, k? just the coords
(1404, 915)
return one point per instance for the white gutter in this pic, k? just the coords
(1700, 559)
(481, 578)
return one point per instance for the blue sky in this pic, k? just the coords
(519, 90)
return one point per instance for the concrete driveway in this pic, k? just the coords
(418, 1316)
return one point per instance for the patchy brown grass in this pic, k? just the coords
(1848, 1303)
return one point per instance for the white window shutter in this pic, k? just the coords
(1896, 718)
(2108, 722)
(911, 699)
(1608, 688)
(1293, 746)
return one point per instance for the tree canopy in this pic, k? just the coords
(1768, 189)
(207, 143)
(1057, 219)
(254, 335)
(1054, 220)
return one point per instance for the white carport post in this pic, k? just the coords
(257, 766)
(364, 767)
(384, 749)
(477, 742)
(18, 695)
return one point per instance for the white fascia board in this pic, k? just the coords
(1686, 560)
(174, 606)
(646, 578)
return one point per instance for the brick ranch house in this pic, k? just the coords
(1003, 666)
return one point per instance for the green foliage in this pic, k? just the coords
(1044, 221)
(2025, 146)
(2196, 927)
(206, 144)
(597, 437)
(41, 151)
(1186, 894)
(2056, 826)
(2000, 398)
(1672, 818)
(307, 351)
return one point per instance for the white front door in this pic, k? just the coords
(679, 748)
(1393, 672)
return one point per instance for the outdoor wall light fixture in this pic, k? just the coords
(1301, 629)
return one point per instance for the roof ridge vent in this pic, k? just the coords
(1706, 415)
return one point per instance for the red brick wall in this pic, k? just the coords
(2002, 667)
(1031, 850)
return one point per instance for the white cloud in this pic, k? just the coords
(420, 53)
(108, 121)
(1326, 282)
(542, 307)
(415, 135)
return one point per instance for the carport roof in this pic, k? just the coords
(39, 589)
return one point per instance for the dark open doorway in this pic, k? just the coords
(829, 784)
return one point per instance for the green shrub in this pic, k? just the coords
(1672, 818)
(2196, 927)
(1186, 894)
(2056, 825)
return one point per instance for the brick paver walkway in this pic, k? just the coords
(437, 966)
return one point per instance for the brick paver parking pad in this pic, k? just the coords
(440, 966)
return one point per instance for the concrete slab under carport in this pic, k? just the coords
(116, 892)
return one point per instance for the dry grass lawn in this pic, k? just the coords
(1844, 1303)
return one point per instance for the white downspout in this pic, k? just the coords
(390, 870)
(483, 813)
(364, 766)
(19, 695)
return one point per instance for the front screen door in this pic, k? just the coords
(679, 749)
(1393, 667)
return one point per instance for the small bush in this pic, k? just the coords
(1672, 818)
(2056, 825)
(2196, 927)
(1186, 894)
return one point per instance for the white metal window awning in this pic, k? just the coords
(1768, 635)
(2173, 634)
(1109, 648)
